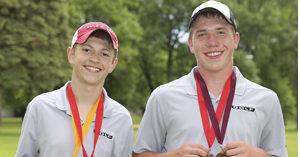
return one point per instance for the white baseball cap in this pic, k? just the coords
(214, 6)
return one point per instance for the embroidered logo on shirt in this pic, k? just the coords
(244, 106)
(105, 135)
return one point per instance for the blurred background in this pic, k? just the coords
(153, 49)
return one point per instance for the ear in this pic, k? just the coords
(113, 65)
(191, 46)
(70, 55)
(236, 40)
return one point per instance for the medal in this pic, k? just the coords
(206, 108)
(211, 155)
(221, 155)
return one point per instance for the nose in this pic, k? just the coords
(95, 58)
(212, 41)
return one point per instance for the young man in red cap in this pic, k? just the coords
(214, 110)
(80, 119)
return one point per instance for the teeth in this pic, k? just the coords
(92, 68)
(214, 54)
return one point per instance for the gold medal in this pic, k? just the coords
(221, 155)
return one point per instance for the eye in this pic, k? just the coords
(87, 50)
(201, 35)
(105, 54)
(221, 32)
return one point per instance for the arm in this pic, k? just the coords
(125, 142)
(185, 150)
(28, 144)
(151, 154)
(243, 149)
(127, 150)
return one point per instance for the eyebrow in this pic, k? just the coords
(90, 46)
(85, 44)
(221, 28)
(218, 28)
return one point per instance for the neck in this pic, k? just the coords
(215, 81)
(86, 96)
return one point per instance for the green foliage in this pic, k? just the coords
(246, 65)
(34, 36)
(162, 57)
(269, 33)
(33, 41)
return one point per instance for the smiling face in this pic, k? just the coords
(92, 61)
(213, 41)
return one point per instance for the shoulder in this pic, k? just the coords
(171, 86)
(44, 98)
(117, 109)
(252, 90)
(52, 99)
(183, 87)
(48, 96)
(259, 88)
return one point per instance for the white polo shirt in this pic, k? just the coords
(47, 129)
(172, 118)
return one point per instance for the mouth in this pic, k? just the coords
(213, 54)
(93, 69)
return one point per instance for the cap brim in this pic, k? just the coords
(82, 39)
(208, 9)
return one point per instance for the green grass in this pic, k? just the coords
(136, 122)
(291, 135)
(11, 129)
(9, 136)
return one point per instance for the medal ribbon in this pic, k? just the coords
(204, 98)
(80, 132)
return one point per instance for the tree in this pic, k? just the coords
(33, 41)
(164, 24)
(269, 34)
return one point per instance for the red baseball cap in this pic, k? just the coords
(83, 33)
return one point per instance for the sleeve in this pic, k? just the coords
(273, 134)
(152, 130)
(28, 144)
(125, 142)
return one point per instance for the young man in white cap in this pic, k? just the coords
(214, 110)
(80, 119)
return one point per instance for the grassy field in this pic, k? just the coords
(9, 136)
(291, 135)
(11, 128)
